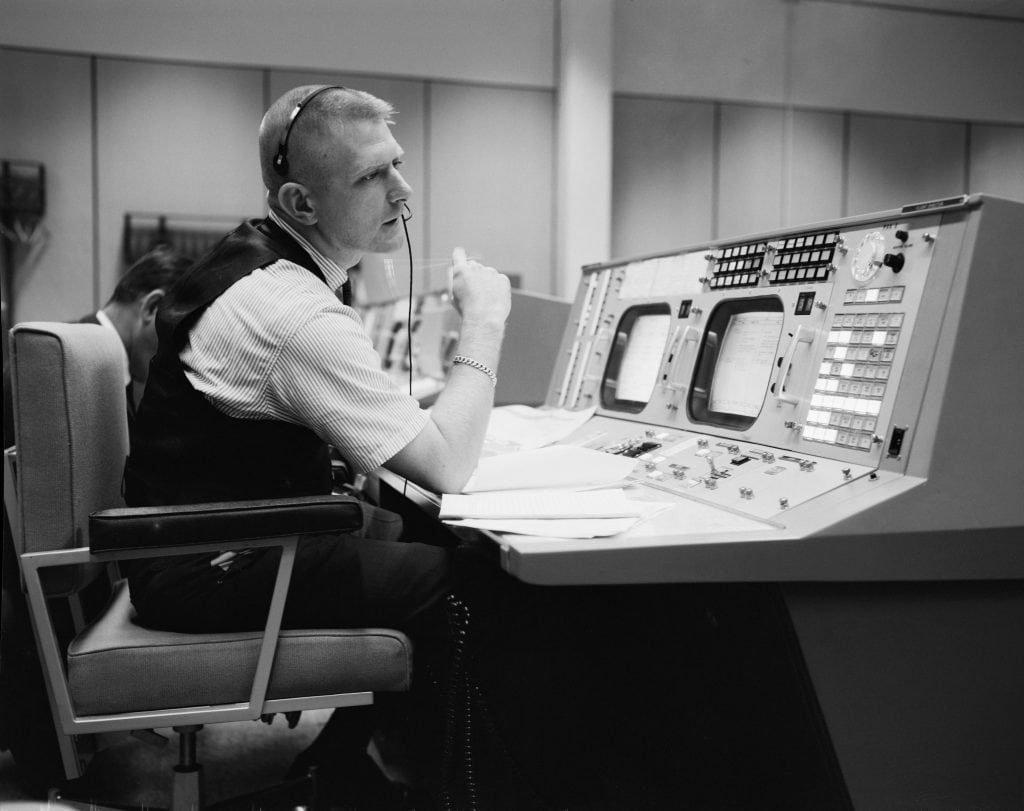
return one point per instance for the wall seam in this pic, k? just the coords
(94, 124)
(716, 172)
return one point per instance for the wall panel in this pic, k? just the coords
(750, 172)
(174, 139)
(997, 161)
(491, 179)
(726, 49)
(894, 161)
(493, 41)
(815, 161)
(870, 57)
(46, 117)
(662, 175)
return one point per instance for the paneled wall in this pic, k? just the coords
(123, 135)
(687, 171)
(730, 117)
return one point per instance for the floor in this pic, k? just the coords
(237, 758)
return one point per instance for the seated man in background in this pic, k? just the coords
(26, 725)
(131, 312)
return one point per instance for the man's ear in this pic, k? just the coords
(297, 202)
(149, 303)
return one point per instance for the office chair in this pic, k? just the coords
(63, 489)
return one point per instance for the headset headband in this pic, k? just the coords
(281, 158)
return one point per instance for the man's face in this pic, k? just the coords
(360, 193)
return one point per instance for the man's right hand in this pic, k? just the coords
(480, 293)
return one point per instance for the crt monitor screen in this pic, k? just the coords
(635, 356)
(736, 360)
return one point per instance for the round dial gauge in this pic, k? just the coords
(868, 258)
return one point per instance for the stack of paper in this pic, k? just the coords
(563, 466)
(549, 492)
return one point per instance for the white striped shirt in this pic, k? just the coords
(279, 344)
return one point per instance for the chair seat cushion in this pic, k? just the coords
(118, 666)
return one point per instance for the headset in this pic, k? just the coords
(281, 158)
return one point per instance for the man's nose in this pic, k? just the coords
(401, 191)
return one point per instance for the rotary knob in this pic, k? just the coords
(894, 261)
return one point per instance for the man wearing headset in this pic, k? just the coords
(261, 367)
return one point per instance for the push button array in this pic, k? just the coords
(852, 379)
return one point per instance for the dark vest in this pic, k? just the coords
(183, 450)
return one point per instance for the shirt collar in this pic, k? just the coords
(105, 321)
(334, 274)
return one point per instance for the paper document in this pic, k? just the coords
(565, 527)
(566, 466)
(520, 427)
(537, 504)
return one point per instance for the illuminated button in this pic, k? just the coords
(817, 400)
(846, 369)
(878, 338)
(872, 295)
(825, 369)
(839, 352)
(821, 384)
(832, 385)
(830, 434)
(874, 407)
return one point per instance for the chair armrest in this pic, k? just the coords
(190, 524)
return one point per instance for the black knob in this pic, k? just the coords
(902, 236)
(894, 261)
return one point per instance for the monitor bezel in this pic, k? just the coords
(698, 407)
(609, 380)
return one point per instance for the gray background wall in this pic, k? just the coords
(729, 117)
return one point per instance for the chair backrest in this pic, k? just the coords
(71, 429)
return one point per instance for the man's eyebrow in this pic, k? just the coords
(378, 165)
